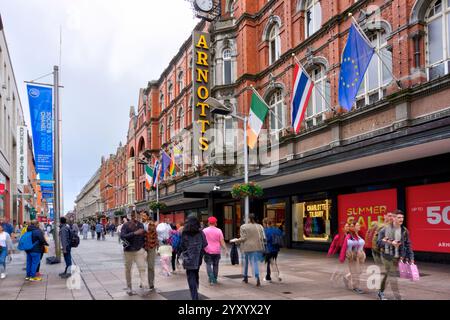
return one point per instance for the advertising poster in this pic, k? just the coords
(428, 217)
(366, 208)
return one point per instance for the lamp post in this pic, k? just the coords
(219, 108)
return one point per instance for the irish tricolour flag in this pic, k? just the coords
(258, 113)
(148, 177)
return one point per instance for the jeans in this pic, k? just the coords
(212, 266)
(193, 282)
(33, 259)
(98, 235)
(253, 257)
(67, 260)
(137, 257)
(151, 253)
(3, 256)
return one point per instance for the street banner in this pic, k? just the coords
(22, 155)
(366, 208)
(40, 100)
(428, 217)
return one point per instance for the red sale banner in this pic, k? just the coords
(366, 208)
(428, 217)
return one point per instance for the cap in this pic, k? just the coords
(212, 220)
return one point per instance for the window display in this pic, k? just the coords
(311, 220)
(275, 210)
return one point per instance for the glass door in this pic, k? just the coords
(228, 222)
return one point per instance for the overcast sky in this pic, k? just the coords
(110, 49)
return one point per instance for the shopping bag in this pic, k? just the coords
(234, 255)
(414, 272)
(403, 269)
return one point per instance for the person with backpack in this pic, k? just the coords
(33, 242)
(174, 241)
(214, 237)
(274, 241)
(66, 234)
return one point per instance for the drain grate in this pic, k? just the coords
(235, 276)
(181, 295)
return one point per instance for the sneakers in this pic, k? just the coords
(2, 275)
(35, 279)
(27, 278)
(131, 292)
(381, 295)
(267, 280)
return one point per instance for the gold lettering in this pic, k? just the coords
(202, 42)
(204, 123)
(202, 92)
(203, 144)
(202, 74)
(202, 58)
(203, 106)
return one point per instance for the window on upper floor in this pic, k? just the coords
(227, 70)
(438, 39)
(161, 134)
(180, 81)
(313, 17)
(171, 127)
(320, 97)
(274, 44)
(170, 92)
(180, 118)
(161, 100)
(277, 116)
(377, 76)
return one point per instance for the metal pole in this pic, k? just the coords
(56, 158)
(247, 204)
(157, 200)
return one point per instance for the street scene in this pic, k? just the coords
(240, 150)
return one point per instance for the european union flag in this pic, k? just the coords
(355, 60)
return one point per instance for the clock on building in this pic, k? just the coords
(204, 5)
(208, 10)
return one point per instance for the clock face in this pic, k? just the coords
(204, 5)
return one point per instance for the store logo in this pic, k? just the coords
(34, 93)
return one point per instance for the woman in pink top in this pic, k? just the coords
(214, 237)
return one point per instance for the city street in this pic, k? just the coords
(305, 276)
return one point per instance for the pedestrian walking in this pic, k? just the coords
(85, 230)
(274, 241)
(335, 249)
(112, 229)
(214, 237)
(150, 246)
(373, 238)
(65, 234)
(252, 245)
(34, 254)
(353, 251)
(132, 235)
(119, 228)
(395, 245)
(165, 253)
(99, 230)
(7, 227)
(38, 269)
(175, 241)
(193, 243)
(93, 229)
(6, 247)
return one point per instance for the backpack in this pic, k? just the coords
(74, 238)
(175, 241)
(26, 242)
(277, 240)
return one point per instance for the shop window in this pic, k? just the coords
(438, 39)
(275, 210)
(311, 220)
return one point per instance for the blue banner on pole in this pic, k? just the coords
(41, 113)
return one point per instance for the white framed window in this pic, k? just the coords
(161, 100)
(274, 44)
(180, 81)
(170, 92)
(171, 128)
(438, 39)
(226, 66)
(313, 17)
(161, 134)
(320, 97)
(377, 76)
(277, 117)
(180, 118)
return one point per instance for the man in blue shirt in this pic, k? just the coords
(272, 233)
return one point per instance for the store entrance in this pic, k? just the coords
(232, 220)
(275, 210)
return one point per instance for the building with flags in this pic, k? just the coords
(379, 143)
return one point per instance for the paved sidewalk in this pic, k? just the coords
(305, 276)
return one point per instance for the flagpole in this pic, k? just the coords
(319, 90)
(363, 34)
(247, 202)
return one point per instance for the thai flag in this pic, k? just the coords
(301, 92)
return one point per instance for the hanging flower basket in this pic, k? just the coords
(154, 206)
(243, 190)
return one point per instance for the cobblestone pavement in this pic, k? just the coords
(305, 276)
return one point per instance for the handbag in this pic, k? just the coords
(403, 269)
(45, 249)
(414, 274)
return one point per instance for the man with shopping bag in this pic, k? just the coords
(395, 246)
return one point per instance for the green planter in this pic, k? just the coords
(251, 190)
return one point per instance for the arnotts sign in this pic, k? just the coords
(201, 77)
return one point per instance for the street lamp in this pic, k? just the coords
(218, 108)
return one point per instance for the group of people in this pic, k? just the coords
(98, 229)
(390, 245)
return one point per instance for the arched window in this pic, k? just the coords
(438, 39)
(226, 66)
(180, 119)
(274, 44)
(278, 115)
(320, 97)
(171, 128)
(180, 81)
(161, 134)
(161, 100)
(377, 76)
(170, 92)
(313, 17)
